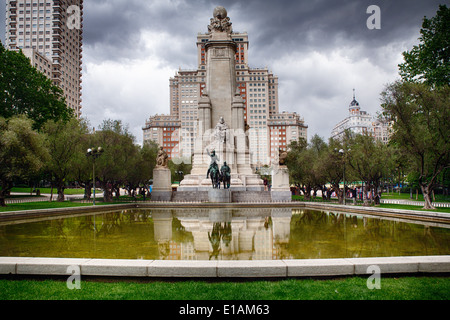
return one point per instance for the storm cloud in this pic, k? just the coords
(320, 50)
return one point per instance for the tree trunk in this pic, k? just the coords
(324, 192)
(426, 191)
(107, 192)
(6, 187)
(365, 191)
(2, 200)
(87, 191)
(60, 190)
(307, 191)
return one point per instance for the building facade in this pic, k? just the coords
(165, 131)
(258, 87)
(52, 30)
(361, 122)
(285, 127)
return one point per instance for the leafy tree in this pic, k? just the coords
(64, 142)
(302, 162)
(82, 165)
(430, 60)
(119, 149)
(370, 160)
(25, 90)
(331, 163)
(22, 152)
(177, 167)
(141, 167)
(421, 129)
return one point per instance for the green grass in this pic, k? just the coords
(354, 288)
(406, 196)
(47, 191)
(48, 205)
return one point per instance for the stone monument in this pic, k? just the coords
(220, 124)
(281, 190)
(162, 180)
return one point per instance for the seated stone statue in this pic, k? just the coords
(162, 159)
(282, 157)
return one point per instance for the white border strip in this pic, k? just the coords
(223, 269)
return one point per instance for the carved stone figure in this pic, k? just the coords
(214, 157)
(162, 159)
(220, 22)
(221, 131)
(282, 157)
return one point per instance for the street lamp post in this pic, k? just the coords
(341, 151)
(94, 153)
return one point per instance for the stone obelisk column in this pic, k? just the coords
(221, 67)
(221, 106)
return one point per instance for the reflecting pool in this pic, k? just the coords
(222, 234)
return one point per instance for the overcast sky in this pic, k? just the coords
(320, 50)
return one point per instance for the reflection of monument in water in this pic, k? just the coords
(221, 124)
(225, 234)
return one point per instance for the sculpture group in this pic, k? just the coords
(218, 176)
(221, 143)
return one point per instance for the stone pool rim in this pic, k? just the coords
(220, 269)
(416, 215)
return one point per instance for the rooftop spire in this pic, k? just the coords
(354, 103)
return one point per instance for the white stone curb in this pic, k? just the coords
(223, 269)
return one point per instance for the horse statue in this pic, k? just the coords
(214, 172)
(226, 175)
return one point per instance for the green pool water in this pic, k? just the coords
(224, 234)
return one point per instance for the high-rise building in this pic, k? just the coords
(258, 87)
(50, 31)
(361, 122)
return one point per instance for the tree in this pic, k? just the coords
(332, 165)
(429, 61)
(22, 152)
(141, 167)
(371, 161)
(421, 129)
(302, 161)
(64, 142)
(25, 90)
(119, 149)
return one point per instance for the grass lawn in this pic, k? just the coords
(406, 196)
(353, 288)
(48, 205)
(47, 191)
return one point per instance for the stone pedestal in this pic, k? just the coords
(162, 185)
(219, 195)
(281, 190)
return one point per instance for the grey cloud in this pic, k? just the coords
(277, 30)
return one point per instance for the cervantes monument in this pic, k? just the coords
(221, 130)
